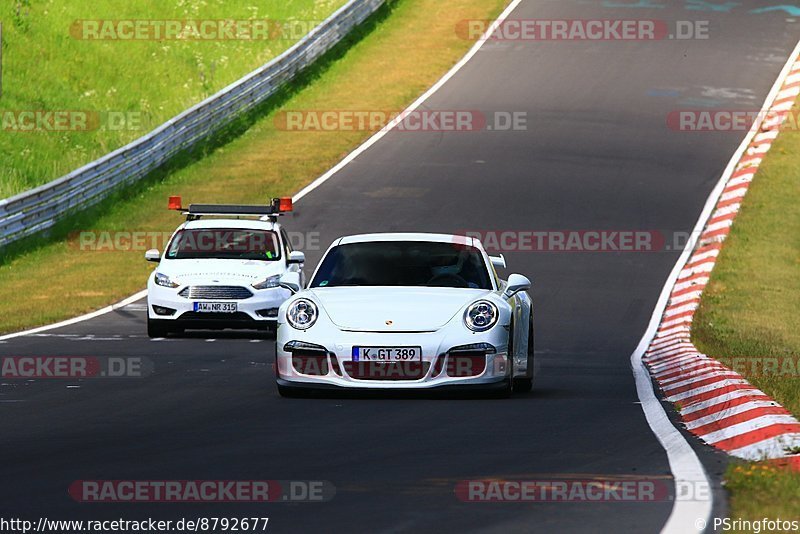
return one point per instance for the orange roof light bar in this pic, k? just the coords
(285, 204)
(277, 207)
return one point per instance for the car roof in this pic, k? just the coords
(231, 223)
(410, 236)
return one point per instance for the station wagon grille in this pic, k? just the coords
(216, 292)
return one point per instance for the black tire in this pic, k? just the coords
(510, 384)
(525, 384)
(506, 392)
(156, 328)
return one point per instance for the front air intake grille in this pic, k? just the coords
(387, 371)
(216, 292)
(468, 363)
(238, 318)
(310, 362)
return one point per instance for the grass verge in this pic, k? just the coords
(749, 310)
(762, 491)
(399, 53)
(126, 87)
(749, 316)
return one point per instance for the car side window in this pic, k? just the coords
(287, 244)
(493, 272)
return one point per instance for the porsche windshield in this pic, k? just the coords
(224, 244)
(403, 263)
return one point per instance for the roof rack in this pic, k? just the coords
(279, 206)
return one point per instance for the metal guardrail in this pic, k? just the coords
(40, 208)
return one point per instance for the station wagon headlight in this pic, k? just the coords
(272, 281)
(164, 281)
(302, 314)
(481, 316)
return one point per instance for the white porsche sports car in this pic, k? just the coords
(406, 311)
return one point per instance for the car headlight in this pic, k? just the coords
(272, 281)
(163, 280)
(481, 316)
(302, 314)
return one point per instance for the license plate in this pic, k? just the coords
(387, 354)
(215, 307)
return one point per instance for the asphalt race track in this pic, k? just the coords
(597, 154)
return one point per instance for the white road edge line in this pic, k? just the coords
(687, 515)
(438, 85)
(80, 319)
(316, 183)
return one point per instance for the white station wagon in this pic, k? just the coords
(222, 269)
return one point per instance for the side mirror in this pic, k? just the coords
(498, 261)
(516, 283)
(296, 257)
(290, 281)
(153, 255)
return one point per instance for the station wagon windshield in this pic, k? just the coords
(224, 244)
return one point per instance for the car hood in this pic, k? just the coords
(407, 309)
(192, 272)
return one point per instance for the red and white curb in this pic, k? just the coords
(716, 403)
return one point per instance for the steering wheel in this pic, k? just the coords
(447, 280)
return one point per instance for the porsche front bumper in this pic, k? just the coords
(305, 361)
